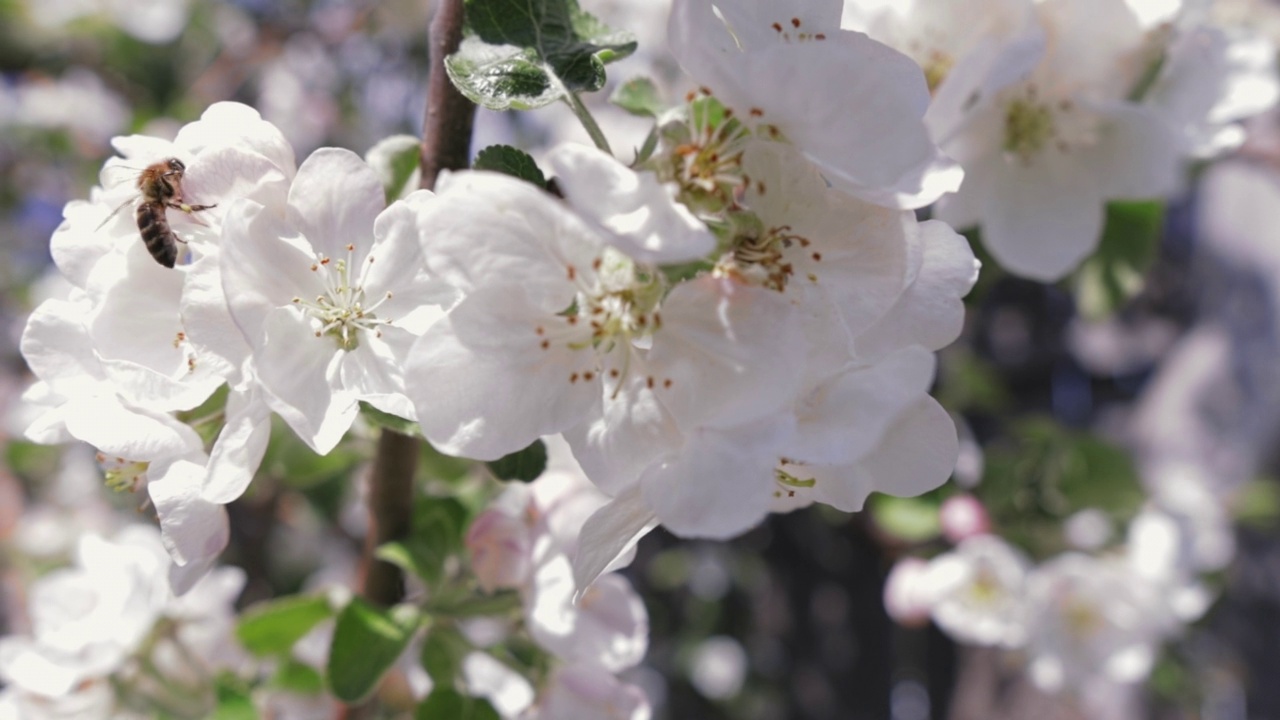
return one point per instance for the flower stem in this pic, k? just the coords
(587, 120)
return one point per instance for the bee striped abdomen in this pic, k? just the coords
(159, 239)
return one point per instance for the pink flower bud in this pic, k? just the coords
(501, 550)
(963, 516)
(906, 592)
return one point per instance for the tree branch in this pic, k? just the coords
(446, 130)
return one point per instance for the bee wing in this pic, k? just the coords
(115, 212)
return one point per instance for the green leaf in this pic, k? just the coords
(272, 628)
(449, 704)
(416, 557)
(523, 465)
(443, 652)
(396, 160)
(909, 519)
(297, 678)
(1257, 504)
(1116, 272)
(510, 161)
(366, 642)
(638, 96)
(525, 54)
(234, 703)
(389, 421)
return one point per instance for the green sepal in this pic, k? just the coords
(638, 96)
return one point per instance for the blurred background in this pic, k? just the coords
(1073, 417)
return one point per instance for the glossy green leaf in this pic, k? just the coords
(367, 641)
(522, 465)
(525, 54)
(272, 628)
(510, 161)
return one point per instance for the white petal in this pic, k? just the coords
(396, 255)
(609, 533)
(1138, 154)
(193, 529)
(721, 484)
(930, 313)
(847, 416)
(918, 452)
(299, 371)
(629, 432)
(639, 212)
(238, 450)
(334, 201)
(716, 359)
(231, 123)
(488, 229)
(132, 434)
(484, 386)
(1041, 220)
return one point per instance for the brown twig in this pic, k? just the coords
(446, 144)
(446, 130)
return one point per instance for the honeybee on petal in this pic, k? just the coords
(160, 188)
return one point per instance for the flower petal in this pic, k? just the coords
(484, 385)
(334, 201)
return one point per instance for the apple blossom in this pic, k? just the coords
(1091, 617)
(978, 592)
(583, 691)
(326, 291)
(794, 74)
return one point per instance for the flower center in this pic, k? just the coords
(623, 304)
(611, 313)
(936, 68)
(122, 475)
(759, 256)
(1032, 124)
(705, 160)
(1082, 619)
(341, 311)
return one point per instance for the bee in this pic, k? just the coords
(160, 188)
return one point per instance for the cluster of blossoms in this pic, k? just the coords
(525, 541)
(741, 321)
(1055, 107)
(718, 332)
(111, 622)
(1090, 619)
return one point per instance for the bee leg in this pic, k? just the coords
(190, 210)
